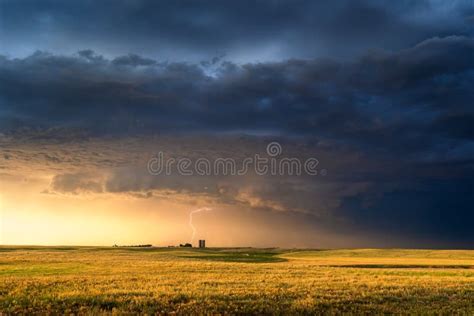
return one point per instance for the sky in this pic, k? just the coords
(376, 96)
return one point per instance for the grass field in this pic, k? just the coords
(234, 281)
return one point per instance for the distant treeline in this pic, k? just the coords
(146, 245)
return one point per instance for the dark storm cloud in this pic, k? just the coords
(420, 97)
(133, 60)
(75, 183)
(244, 30)
(393, 125)
(432, 209)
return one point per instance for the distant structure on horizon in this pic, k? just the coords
(133, 246)
(202, 243)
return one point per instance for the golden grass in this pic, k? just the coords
(108, 280)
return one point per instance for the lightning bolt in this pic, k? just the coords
(202, 209)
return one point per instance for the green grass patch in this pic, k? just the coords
(40, 269)
(258, 257)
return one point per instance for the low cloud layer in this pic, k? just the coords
(429, 203)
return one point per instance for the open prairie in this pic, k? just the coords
(88, 280)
